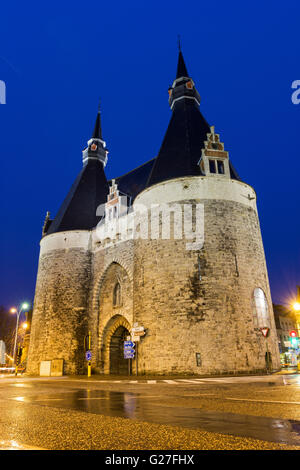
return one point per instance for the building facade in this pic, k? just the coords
(286, 325)
(172, 248)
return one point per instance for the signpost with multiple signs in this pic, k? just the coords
(131, 345)
(129, 350)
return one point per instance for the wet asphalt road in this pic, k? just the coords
(80, 413)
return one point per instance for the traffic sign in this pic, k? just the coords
(265, 331)
(129, 351)
(88, 355)
(137, 328)
(128, 344)
(135, 338)
(128, 355)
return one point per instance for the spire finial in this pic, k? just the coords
(179, 42)
(97, 134)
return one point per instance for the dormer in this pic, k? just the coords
(117, 203)
(214, 160)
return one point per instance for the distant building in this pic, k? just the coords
(285, 321)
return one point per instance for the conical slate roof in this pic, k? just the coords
(180, 151)
(78, 211)
(181, 67)
(97, 134)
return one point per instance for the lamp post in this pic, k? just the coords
(14, 310)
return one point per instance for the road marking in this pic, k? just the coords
(150, 382)
(265, 401)
(190, 381)
(170, 381)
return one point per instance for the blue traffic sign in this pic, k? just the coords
(88, 355)
(128, 356)
(129, 344)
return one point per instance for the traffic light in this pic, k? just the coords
(294, 339)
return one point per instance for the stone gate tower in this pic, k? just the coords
(173, 246)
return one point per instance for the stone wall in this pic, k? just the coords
(190, 301)
(60, 315)
(212, 316)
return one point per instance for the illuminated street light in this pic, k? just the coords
(24, 306)
(25, 325)
(296, 306)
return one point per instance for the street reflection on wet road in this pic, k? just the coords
(143, 408)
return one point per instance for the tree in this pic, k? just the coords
(7, 329)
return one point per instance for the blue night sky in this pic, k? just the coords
(57, 59)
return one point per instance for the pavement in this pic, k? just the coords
(145, 413)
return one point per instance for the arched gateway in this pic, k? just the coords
(115, 333)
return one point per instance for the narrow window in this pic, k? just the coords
(220, 167)
(261, 315)
(198, 359)
(117, 295)
(212, 166)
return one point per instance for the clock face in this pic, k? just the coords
(93, 147)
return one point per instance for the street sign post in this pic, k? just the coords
(265, 331)
(88, 354)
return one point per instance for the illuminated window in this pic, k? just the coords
(261, 315)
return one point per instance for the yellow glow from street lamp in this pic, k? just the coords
(25, 325)
(13, 310)
(296, 306)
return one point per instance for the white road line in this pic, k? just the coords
(151, 382)
(169, 381)
(189, 381)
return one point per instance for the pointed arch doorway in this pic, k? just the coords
(117, 364)
(116, 333)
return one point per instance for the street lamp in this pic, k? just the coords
(24, 306)
(296, 306)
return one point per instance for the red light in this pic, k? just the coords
(293, 333)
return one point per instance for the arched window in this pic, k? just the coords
(117, 295)
(261, 316)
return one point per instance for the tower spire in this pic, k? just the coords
(96, 149)
(183, 86)
(97, 134)
(181, 67)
